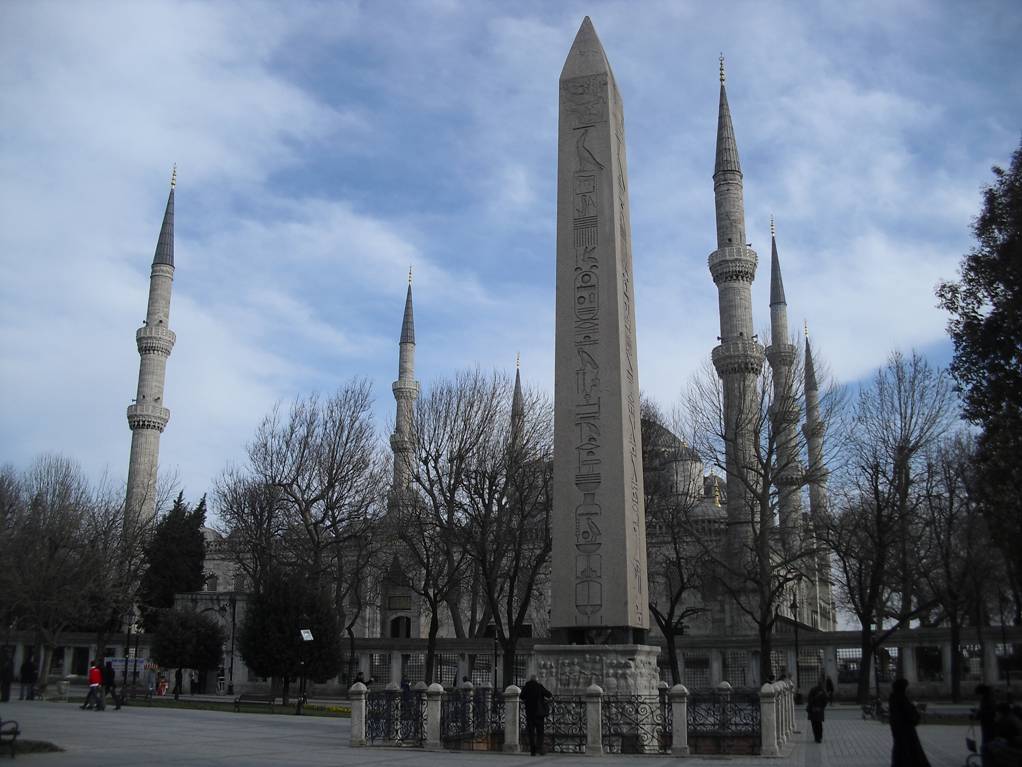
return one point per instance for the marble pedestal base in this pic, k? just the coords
(619, 669)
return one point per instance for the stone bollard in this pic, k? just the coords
(357, 696)
(512, 723)
(768, 721)
(679, 712)
(782, 712)
(594, 720)
(433, 695)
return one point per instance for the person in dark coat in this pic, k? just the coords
(829, 687)
(986, 714)
(536, 698)
(816, 702)
(110, 681)
(6, 676)
(29, 675)
(904, 716)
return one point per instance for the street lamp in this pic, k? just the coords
(794, 618)
(306, 636)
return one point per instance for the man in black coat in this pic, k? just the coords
(536, 698)
(816, 703)
(904, 716)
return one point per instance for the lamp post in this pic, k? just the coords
(794, 618)
(306, 637)
(233, 601)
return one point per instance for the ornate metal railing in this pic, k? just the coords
(462, 721)
(565, 727)
(397, 717)
(635, 724)
(724, 717)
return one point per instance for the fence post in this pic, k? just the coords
(594, 720)
(792, 726)
(679, 713)
(512, 729)
(468, 709)
(357, 697)
(433, 695)
(768, 721)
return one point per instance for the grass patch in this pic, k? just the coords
(310, 709)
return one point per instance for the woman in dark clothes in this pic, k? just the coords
(907, 750)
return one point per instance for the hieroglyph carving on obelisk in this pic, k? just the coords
(599, 532)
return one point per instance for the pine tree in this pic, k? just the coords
(174, 558)
(985, 305)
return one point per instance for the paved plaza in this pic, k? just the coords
(155, 736)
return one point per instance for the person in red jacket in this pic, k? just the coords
(95, 687)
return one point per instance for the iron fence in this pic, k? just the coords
(396, 716)
(636, 724)
(724, 717)
(564, 728)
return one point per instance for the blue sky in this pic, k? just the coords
(324, 147)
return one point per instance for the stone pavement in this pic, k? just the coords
(154, 736)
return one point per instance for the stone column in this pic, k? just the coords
(433, 695)
(395, 668)
(768, 721)
(679, 712)
(716, 668)
(364, 663)
(357, 697)
(594, 720)
(908, 663)
(512, 721)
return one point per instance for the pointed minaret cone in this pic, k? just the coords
(727, 146)
(406, 391)
(776, 282)
(517, 401)
(811, 384)
(148, 416)
(165, 245)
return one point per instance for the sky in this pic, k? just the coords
(324, 147)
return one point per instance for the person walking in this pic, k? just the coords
(110, 682)
(829, 687)
(28, 679)
(815, 704)
(536, 698)
(904, 716)
(6, 676)
(95, 696)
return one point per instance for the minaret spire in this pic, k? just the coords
(148, 417)
(785, 410)
(406, 391)
(815, 431)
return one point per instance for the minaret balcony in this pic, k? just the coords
(405, 389)
(155, 339)
(146, 416)
(734, 263)
(780, 355)
(738, 356)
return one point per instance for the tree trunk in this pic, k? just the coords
(866, 649)
(766, 644)
(508, 663)
(434, 628)
(956, 660)
(672, 658)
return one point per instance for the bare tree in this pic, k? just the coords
(897, 420)
(762, 561)
(673, 485)
(506, 529)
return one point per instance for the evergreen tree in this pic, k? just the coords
(985, 305)
(187, 639)
(269, 639)
(174, 558)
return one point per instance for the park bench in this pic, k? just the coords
(9, 732)
(253, 698)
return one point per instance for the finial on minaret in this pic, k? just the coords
(409, 274)
(518, 360)
(173, 177)
(805, 328)
(722, 77)
(773, 229)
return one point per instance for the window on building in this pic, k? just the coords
(80, 661)
(379, 667)
(400, 627)
(695, 671)
(736, 668)
(848, 661)
(970, 661)
(413, 667)
(446, 672)
(399, 602)
(929, 664)
(482, 668)
(519, 670)
(810, 665)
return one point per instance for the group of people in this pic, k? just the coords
(102, 682)
(27, 677)
(903, 717)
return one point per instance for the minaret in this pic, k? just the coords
(739, 357)
(406, 391)
(785, 411)
(517, 405)
(148, 416)
(814, 430)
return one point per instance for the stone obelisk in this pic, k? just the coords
(599, 591)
